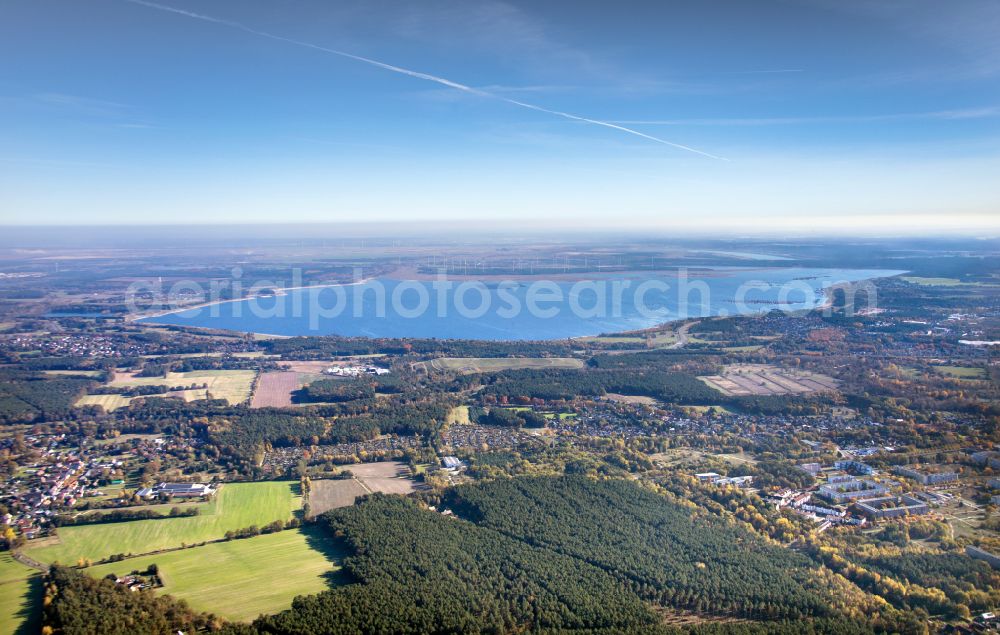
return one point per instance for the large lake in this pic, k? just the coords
(524, 310)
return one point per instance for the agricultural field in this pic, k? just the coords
(316, 367)
(633, 399)
(389, 477)
(125, 438)
(327, 494)
(742, 380)
(469, 365)
(274, 389)
(240, 579)
(20, 593)
(108, 402)
(75, 373)
(232, 385)
(235, 506)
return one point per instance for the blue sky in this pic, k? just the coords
(878, 115)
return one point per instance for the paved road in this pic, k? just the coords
(682, 335)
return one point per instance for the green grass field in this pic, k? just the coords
(241, 579)
(20, 597)
(962, 372)
(562, 416)
(236, 506)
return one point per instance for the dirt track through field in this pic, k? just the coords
(390, 477)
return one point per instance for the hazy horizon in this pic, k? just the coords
(20, 238)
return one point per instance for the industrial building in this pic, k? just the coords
(176, 490)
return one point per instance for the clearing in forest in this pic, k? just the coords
(274, 389)
(744, 380)
(389, 477)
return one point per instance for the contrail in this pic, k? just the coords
(424, 76)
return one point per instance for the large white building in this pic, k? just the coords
(177, 490)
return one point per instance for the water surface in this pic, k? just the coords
(525, 310)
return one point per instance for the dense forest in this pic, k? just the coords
(326, 347)
(552, 554)
(336, 390)
(244, 431)
(422, 572)
(415, 570)
(566, 384)
(661, 550)
(27, 397)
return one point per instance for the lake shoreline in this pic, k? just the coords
(493, 325)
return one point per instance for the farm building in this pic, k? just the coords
(892, 506)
